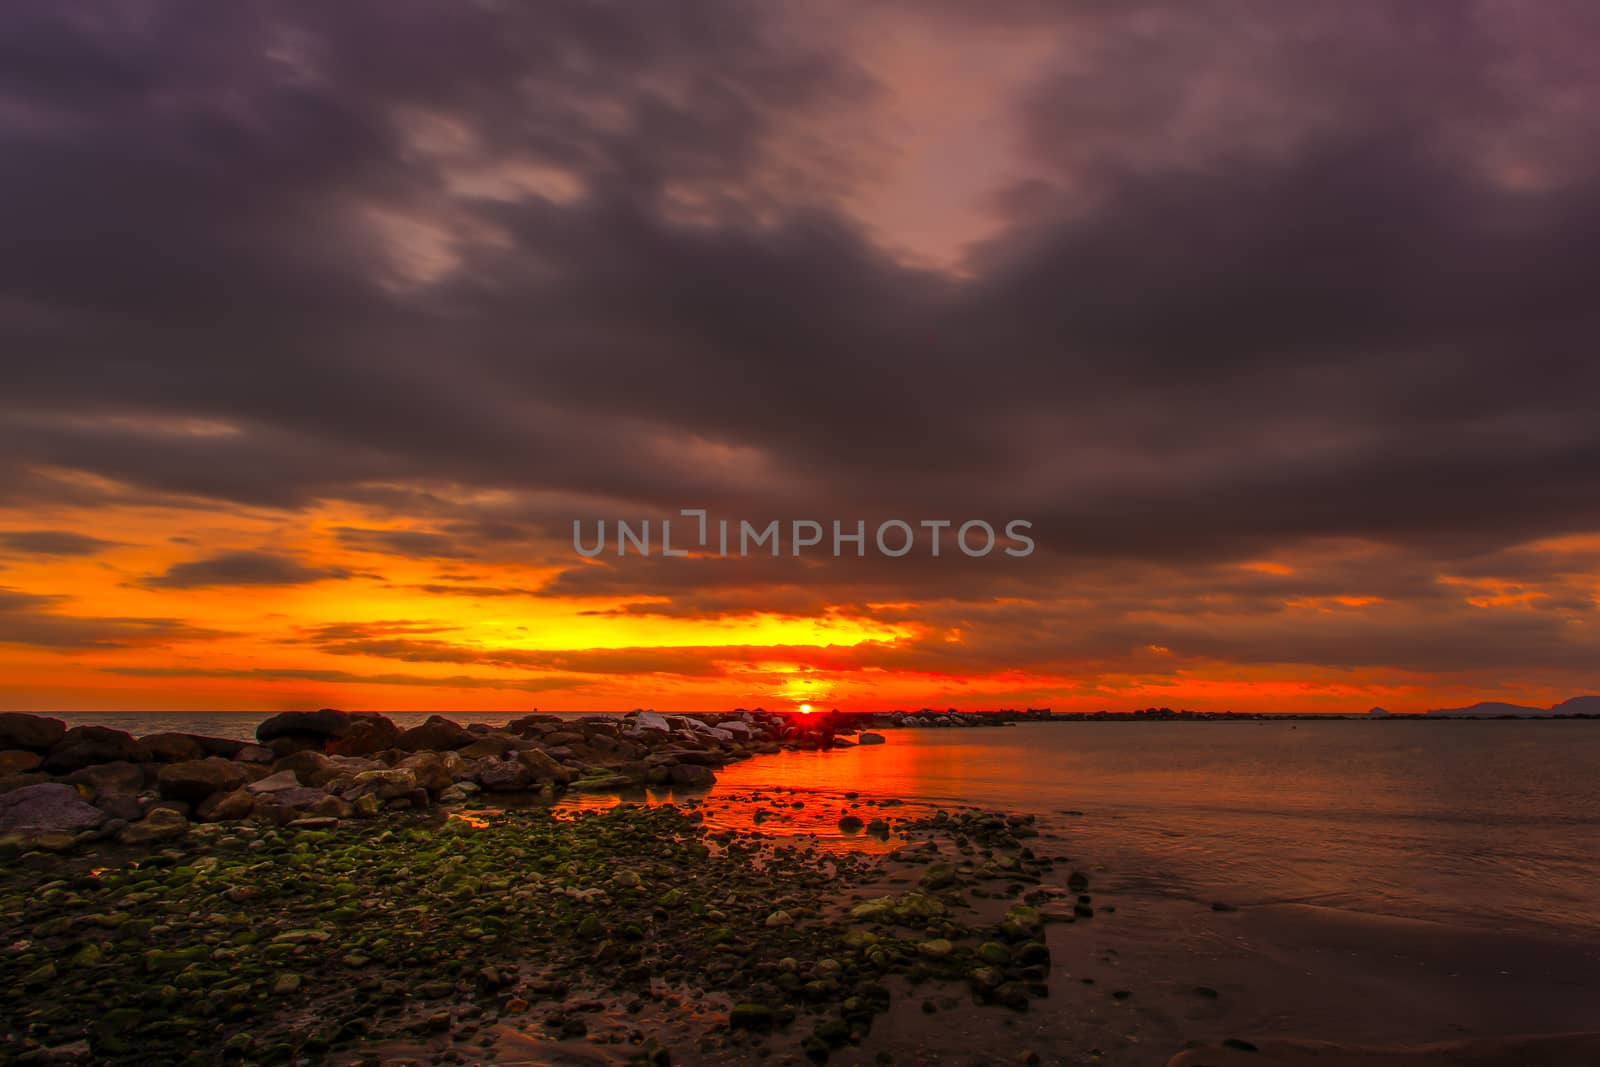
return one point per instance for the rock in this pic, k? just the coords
(285, 984)
(174, 748)
(603, 783)
(648, 722)
(563, 737)
(1022, 923)
(274, 783)
(226, 807)
(936, 949)
(84, 746)
(869, 739)
(437, 734)
(695, 777)
(110, 778)
(324, 724)
(294, 806)
(17, 760)
(128, 807)
(544, 766)
(994, 954)
(504, 776)
(780, 918)
(9, 782)
(1013, 995)
(49, 807)
(429, 770)
(310, 767)
(385, 784)
(35, 733)
(750, 1017)
(254, 754)
(367, 734)
(194, 780)
(851, 824)
(495, 746)
(161, 824)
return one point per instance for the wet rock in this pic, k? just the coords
(429, 770)
(312, 768)
(688, 774)
(49, 807)
(869, 739)
(323, 725)
(543, 765)
(84, 746)
(851, 824)
(226, 807)
(274, 783)
(35, 733)
(367, 734)
(194, 780)
(160, 824)
(387, 784)
(504, 776)
(254, 754)
(750, 1017)
(108, 778)
(1022, 923)
(1013, 995)
(437, 734)
(173, 747)
(17, 760)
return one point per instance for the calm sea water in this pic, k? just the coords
(1490, 824)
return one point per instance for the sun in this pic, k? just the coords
(805, 709)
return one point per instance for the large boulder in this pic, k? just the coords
(173, 747)
(194, 780)
(275, 783)
(110, 778)
(32, 732)
(18, 760)
(226, 807)
(495, 744)
(429, 770)
(47, 808)
(386, 784)
(84, 746)
(692, 776)
(367, 734)
(312, 768)
(504, 776)
(161, 824)
(324, 724)
(437, 734)
(544, 766)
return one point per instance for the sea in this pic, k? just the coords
(1491, 824)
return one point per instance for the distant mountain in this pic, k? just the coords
(1586, 705)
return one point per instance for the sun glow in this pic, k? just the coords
(805, 709)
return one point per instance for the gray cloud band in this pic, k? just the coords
(741, 538)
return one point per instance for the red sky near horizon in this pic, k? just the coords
(320, 327)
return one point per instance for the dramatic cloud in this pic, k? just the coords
(242, 568)
(37, 621)
(51, 543)
(1197, 289)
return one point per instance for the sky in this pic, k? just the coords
(320, 324)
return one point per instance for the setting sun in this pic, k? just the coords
(805, 709)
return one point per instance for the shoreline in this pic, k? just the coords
(454, 927)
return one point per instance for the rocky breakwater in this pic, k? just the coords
(61, 788)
